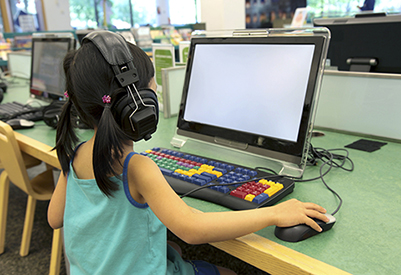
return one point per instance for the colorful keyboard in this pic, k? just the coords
(226, 184)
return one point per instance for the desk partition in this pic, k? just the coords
(362, 103)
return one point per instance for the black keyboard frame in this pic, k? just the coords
(225, 199)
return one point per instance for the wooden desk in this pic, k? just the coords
(365, 238)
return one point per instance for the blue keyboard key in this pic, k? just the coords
(175, 175)
(260, 198)
(165, 171)
(207, 179)
(239, 170)
(191, 158)
(252, 173)
(211, 176)
(200, 182)
(183, 177)
(223, 171)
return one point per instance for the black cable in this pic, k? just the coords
(330, 160)
(225, 184)
(265, 168)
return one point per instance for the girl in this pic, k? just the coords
(116, 224)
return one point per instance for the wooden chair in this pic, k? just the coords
(40, 187)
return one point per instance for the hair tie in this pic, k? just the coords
(106, 99)
(66, 94)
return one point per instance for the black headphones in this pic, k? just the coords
(137, 112)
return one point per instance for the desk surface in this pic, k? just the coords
(365, 238)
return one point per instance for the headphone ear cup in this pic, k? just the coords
(149, 98)
(144, 121)
(51, 117)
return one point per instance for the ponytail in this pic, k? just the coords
(108, 149)
(66, 139)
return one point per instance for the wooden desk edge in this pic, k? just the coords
(253, 249)
(274, 258)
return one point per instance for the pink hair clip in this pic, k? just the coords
(106, 99)
(66, 94)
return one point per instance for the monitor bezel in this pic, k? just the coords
(293, 152)
(50, 96)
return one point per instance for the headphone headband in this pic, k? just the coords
(119, 57)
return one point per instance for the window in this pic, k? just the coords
(124, 14)
(120, 14)
(24, 16)
(339, 8)
(182, 12)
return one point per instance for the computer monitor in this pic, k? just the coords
(18, 64)
(47, 76)
(366, 42)
(254, 94)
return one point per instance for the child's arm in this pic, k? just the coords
(55, 213)
(198, 228)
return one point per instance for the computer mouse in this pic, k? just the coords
(20, 123)
(302, 231)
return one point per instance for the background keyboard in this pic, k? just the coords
(186, 173)
(15, 109)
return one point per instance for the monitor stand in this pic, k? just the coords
(358, 64)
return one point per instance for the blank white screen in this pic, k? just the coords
(258, 89)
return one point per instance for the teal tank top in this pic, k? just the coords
(115, 235)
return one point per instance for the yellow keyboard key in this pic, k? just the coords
(249, 197)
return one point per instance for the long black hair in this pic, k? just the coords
(88, 78)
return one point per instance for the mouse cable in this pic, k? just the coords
(329, 159)
(267, 169)
(226, 184)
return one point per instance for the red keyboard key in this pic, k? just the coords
(238, 194)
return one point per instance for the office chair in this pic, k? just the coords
(40, 187)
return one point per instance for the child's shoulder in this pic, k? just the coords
(138, 159)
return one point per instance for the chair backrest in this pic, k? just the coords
(11, 159)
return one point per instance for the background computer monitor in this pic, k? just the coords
(18, 64)
(47, 77)
(363, 38)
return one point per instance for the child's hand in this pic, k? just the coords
(293, 212)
